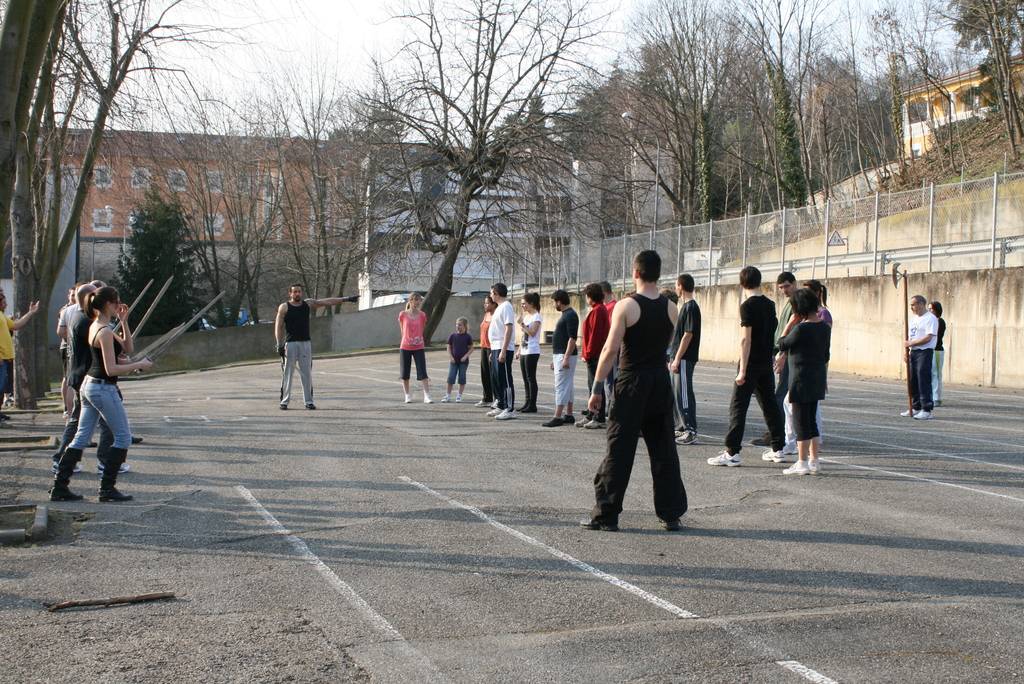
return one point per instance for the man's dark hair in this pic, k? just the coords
(750, 278)
(295, 285)
(500, 289)
(560, 296)
(685, 281)
(595, 292)
(804, 301)
(919, 299)
(533, 299)
(606, 287)
(647, 264)
(785, 277)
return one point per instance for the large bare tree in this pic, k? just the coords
(461, 89)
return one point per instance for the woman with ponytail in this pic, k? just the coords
(101, 397)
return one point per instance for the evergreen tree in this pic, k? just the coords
(787, 142)
(158, 249)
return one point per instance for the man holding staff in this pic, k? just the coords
(922, 337)
(291, 331)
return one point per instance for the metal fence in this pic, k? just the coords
(966, 225)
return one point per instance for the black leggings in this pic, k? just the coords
(485, 375)
(528, 365)
(805, 421)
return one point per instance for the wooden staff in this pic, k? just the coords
(152, 308)
(161, 344)
(896, 277)
(116, 601)
(134, 304)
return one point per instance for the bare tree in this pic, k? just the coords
(85, 66)
(461, 90)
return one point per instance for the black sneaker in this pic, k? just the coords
(687, 437)
(591, 524)
(763, 440)
(136, 440)
(64, 494)
(554, 422)
(113, 496)
(311, 407)
(283, 407)
(672, 525)
(569, 419)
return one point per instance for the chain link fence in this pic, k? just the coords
(966, 225)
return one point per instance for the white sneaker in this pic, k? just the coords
(481, 404)
(445, 399)
(774, 456)
(507, 414)
(798, 468)
(907, 414)
(494, 412)
(427, 399)
(789, 450)
(923, 415)
(99, 468)
(458, 399)
(408, 399)
(594, 425)
(494, 404)
(812, 466)
(725, 459)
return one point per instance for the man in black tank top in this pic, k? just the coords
(291, 330)
(642, 326)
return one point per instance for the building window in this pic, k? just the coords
(217, 224)
(215, 182)
(102, 220)
(141, 178)
(101, 177)
(917, 111)
(69, 176)
(177, 180)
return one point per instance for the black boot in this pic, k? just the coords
(112, 461)
(65, 469)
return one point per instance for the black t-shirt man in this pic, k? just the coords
(79, 354)
(567, 328)
(296, 322)
(688, 322)
(758, 314)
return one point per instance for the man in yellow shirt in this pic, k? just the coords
(7, 326)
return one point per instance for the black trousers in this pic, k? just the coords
(501, 374)
(643, 406)
(485, 375)
(71, 427)
(591, 372)
(686, 418)
(528, 367)
(921, 378)
(805, 420)
(760, 381)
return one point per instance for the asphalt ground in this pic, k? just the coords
(374, 540)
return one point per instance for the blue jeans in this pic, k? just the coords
(71, 429)
(3, 377)
(102, 401)
(457, 370)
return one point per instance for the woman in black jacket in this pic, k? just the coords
(807, 346)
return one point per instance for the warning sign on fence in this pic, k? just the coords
(836, 240)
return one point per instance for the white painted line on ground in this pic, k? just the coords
(578, 564)
(378, 621)
(923, 479)
(791, 665)
(805, 672)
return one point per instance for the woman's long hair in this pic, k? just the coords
(95, 301)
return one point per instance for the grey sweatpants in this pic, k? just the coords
(298, 354)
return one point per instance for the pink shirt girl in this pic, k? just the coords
(412, 329)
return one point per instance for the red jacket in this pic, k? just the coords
(595, 332)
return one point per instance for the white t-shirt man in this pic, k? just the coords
(64, 321)
(923, 325)
(502, 316)
(532, 341)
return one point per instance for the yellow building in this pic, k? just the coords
(927, 107)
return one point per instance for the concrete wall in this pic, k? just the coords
(984, 313)
(352, 331)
